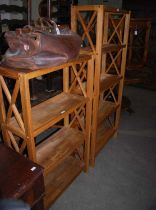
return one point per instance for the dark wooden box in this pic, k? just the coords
(20, 178)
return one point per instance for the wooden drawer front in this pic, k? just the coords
(35, 192)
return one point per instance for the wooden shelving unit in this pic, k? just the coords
(104, 32)
(137, 52)
(66, 152)
(138, 44)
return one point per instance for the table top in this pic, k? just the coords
(17, 173)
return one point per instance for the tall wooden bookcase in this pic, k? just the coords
(65, 153)
(104, 32)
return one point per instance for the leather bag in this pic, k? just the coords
(36, 47)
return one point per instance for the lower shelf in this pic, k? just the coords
(58, 180)
(103, 137)
(108, 81)
(105, 109)
(54, 150)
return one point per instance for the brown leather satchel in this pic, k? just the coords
(33, 48)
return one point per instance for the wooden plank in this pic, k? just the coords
(105, 48)
(108, 80)
(106, 8)
(66, 76)
(88, 120)
(86, 7)
(13, 102)
(105, 109)
(6, 138)
(86, 50)
(51, 111)
(58, 180)
(97, 72)
(112, 47)
(54, 150)
(77, 89)
(30, 73)
(123, 66)
(40, 72)
(27, 118)
(15, 129)
(103, 136)
(9, 72)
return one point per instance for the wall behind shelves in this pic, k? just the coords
(113, 3)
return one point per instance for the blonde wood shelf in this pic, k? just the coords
(112, 47)
(51, 111)
(106, 108)
(58, 147)
(108, 80)
(57, 181)
(103, 136)
(106, 48)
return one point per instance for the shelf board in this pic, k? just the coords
(105, 109)
(108, 80)
(103, 137)
(51, 111)
(86, 50)
(54, 150)
(112, 47)
(105, 48)
(58, 180)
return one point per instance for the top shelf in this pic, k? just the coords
(30, 73)
(105, 48)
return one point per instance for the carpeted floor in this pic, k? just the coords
(124, 177)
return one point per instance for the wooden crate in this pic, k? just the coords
(20, 178)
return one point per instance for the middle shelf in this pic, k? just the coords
(56, 148)
(51, 111)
